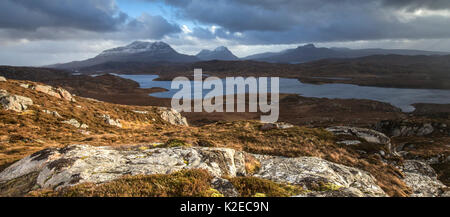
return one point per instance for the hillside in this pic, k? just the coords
(143, 52)
(150, 145)
(310, 52)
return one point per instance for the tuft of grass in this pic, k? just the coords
(185, 183)
(252, 165)
(257, 187)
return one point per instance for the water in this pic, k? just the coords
(400, 97)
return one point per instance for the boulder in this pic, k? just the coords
(2, 79)
(26, 86)
(279, 125)
(311, 172)
(53, 113)
(172, 116)
(112, 122)
(408, 128)
(422, 179)
(14, 102)
(82, 163)
(76, 124)
(367, 135)
(55, 92)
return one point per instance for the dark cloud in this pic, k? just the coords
(93, 15)
(300, 21)
(69, 19)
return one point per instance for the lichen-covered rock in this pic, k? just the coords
(53, 113)
(172, 116)
(112, 122)
(422, 179)
(311, 172)
(408, 128)
(76, 124)
(55, 92)
(225, 187)
(82, 163)
(279, 125)
(65, 94)
(2, 79)
(26, 86)
(367, 135)
(14, 102)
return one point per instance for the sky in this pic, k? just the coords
(42, 32)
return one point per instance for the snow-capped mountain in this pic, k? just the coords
(220, 53)
(138, 51)
(139, 47)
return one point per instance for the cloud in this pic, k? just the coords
(301, 21)
(82, 19)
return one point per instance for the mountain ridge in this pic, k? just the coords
(220, 53)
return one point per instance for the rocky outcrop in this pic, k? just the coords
(368, 135)
(60, 167)
(172, 116)
(422, 179)
(56, 168)
(2, 79)
(407, 128)
(363, 134)
(312, 172)
(82, 163)
(111, 121)
(14, 102)
(279, 125)
(55, 92)
(76, 124)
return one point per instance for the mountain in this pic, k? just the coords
(138, 51)
(220, 53)
(310, 52)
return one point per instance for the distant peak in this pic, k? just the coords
(138, 47)
(221, 48)
(308, 46)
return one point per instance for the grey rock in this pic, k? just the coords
(26, 86)
(2, 79)
(225, 187)
(53, 113)
(426, 129)
(111, 121)
(349, 142)
(172, 116)
(14, 102)
(308, 171)
(76, 124)
(422, 179)
(366, 134)
(55, 92)
(140, 112)
(279, 125)
(82, 163)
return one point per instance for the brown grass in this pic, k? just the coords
(185, 183)
(252, 186)
(21, 135)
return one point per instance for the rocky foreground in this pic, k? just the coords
(56, 144)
